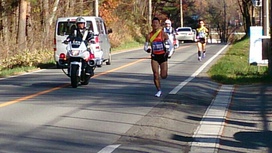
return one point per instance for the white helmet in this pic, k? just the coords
(80, 20)
(167, 21)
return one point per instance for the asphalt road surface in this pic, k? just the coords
(116, 112)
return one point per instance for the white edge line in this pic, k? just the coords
(109, 148)
(182, 84)
(225, 88)
(231, 90)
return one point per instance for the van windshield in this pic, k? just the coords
(66, 28)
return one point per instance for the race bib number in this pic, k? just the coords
(201, 35)
(157, 46)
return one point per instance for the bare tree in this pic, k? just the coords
(29, 29)
(71, 7)
(245, 7)
(45, 8)
(4, 35)
(3, 21)
(21, 41)
(81, 4)
(55, 8)
(24, 17)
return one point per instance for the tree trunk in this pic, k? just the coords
(4, 35)
(21, 41)
(29, 26)
(14, 19)
(245, 10)
(56, 4)
(71, 8)
(81, 7)
(45, 22)
(2, 15)
(270, 51)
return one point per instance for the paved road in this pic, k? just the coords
(117, 111)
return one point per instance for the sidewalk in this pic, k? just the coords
(248, 124)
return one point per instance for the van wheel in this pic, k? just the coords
(109, 60)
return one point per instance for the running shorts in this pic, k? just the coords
(201, 40)
(160, 58)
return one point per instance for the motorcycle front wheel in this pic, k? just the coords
(74, 78)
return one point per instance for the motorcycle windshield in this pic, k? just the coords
(76, 42)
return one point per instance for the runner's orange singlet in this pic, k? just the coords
(157, 44)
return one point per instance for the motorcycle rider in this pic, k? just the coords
(79, 32)
(171, 34)
(168, 28)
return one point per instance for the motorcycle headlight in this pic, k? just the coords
(74, 52)
(86, 55)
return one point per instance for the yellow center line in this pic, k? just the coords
(118, 68)
(31, 96)
(65, 85)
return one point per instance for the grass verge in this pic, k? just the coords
(128, 45)
(234, 68)
(25, 69)
(16, 71)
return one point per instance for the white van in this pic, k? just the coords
(100, 44)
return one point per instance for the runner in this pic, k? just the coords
(201, 35)
(159, 56)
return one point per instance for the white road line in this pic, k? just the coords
(182, 84)
(208, 133)
(109, 148)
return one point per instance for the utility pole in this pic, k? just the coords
(149, 14)
(224, 22)
(265, 16)
(96, 8)
(270, 51)
(181, 14)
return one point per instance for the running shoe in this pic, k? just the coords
(203, 55)
(158, 94)
(199, 58)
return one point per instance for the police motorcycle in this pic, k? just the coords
(79, 61)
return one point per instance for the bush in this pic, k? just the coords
(27, 58)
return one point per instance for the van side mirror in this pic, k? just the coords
(109, 31)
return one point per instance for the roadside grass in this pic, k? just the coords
(10, 68)
(234, 67)
(16, 71)
(128, 45)
(25, 69)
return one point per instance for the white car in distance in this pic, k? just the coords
(185, 34)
